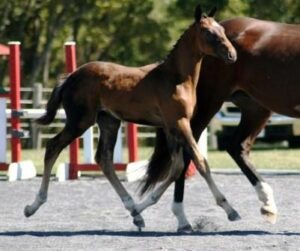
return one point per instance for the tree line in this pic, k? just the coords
(129, 32)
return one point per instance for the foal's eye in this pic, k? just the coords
(210, 36)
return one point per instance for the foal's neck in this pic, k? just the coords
(185, 59)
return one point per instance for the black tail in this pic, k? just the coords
(52, 106)
(159, 165)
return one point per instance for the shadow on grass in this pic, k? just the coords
(141, 234)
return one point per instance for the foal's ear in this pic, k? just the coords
(198, 13)
(212, 12)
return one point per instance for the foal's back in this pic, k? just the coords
(123, 91)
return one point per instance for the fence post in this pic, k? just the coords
(132, 138)
(37, 95)
(70, 57)
(15, 96)
(3, 125)
(37, 102)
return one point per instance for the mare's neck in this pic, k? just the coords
(184, 61)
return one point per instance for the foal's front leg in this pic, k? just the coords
(203, 168)
(109, 127)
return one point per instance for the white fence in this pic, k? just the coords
(33, 101)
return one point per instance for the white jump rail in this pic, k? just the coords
(88, 149)
(88, 153)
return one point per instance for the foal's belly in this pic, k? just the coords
(143, 117)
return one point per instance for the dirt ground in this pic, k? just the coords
(87, 215)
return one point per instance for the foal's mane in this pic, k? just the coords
(179, 40)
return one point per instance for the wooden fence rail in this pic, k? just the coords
(36, 97)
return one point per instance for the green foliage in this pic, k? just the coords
(130, 32)
(279, 10)
(123, 31)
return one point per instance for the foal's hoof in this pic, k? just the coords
(185, 229)
(139, 222)
(234, 216)
(269, 214)
(28, 211)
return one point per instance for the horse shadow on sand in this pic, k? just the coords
(143, 234)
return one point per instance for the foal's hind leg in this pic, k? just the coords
(109, 127)
(175, 150)
(253, 119)
(53, 149)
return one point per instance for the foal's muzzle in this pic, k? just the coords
(228, 54)
(232, 56)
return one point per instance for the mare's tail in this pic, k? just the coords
(159, 165)
(52, 106)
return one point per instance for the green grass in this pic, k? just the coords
(262, 159)
(281, 158)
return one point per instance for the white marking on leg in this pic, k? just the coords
(204, 170)
(149, 201)
(39, 200)
(178, 211)
(131, 207)
(221, 200)
(265, 195)
(128, 203)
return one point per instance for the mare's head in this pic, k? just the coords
(211, 37)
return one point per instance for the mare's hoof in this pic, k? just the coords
(185, 229)
(269, 215)
(234, 216)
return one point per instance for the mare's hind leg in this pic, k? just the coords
(253, 119)
(109, 127)
(53, 149)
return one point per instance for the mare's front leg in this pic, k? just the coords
(253, 119)
(109, 127)
(202, 166)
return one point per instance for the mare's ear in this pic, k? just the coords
(212, 12)
(198, 13)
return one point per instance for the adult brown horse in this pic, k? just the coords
(264, 79)
(165, 97)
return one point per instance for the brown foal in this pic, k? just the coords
(162, 95)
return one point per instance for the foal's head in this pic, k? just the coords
(211, 37)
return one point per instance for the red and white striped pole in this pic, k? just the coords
(15, 83)
(74, 166)
(132, 137)
(71, 65)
